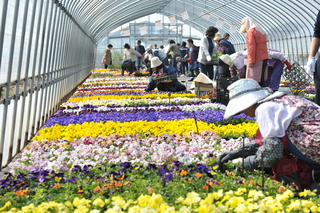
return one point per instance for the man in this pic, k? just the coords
(313, 67)
(170, 84)
(140, 49)
(175, 52)
(288, 139)
(226, 44)
(193, 63)
(155, 46)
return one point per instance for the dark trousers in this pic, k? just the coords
(224, 69)
(164, 87)
(264, 66)
(194, 72)
(106, 66)
(316, 79)
(274, 75)
(207, 70)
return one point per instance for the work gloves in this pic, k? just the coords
(311, 65)
(248, 149)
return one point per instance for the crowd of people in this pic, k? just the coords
(287, 141)
(255, 62)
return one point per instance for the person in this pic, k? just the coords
(158, 53)
(140, 49)
(107, 56)
(217, 70)
(155, 46)
(126, 65)
(174, 50)
(149, 54)
(193, 56)
(207, 48)
(130, 53)
(228, 47)
(288, 137)
(161, 47)
(276, 62)
(184, 54)
(313, 67)
(257, 50)
(172, 85)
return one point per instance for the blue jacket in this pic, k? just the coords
(140, 49)
(228, 46)
(172, 86)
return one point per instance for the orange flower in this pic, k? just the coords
(56, 185)
(251, 182)
(183, 172)
(121, 178)
(198, 175)
(108, 186)
(97, 189)
(128, 183)
(150, 189)
(22, 192)
(294, 185)
(282, 189)
(207, 186)
(118, 184)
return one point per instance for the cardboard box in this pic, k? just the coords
(203, 85)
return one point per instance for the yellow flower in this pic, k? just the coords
(241, 191)
(5, 206)
(98, 202)
(28, 208)
(118, 201)
(155, 201)
(143, 200)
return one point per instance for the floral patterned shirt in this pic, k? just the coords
(304, 128)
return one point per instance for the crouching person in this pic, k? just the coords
(288, 139)
(169, 83)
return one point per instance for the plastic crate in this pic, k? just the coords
(222, 92)
(298, 78)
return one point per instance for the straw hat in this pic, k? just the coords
(217, 37)
(155, 62)
(243, 94)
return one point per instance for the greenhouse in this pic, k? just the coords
(147, 130)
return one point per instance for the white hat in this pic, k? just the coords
(217, 37)
(148, 49)
(243, 94)
(155, 62)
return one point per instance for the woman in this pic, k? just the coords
(130, 53)
(207, 48)
(107, 57)
(257, 50)
(288, 139)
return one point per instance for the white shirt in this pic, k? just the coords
(274, 118)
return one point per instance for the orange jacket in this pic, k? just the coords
(256, 46)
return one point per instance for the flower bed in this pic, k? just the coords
(114, 148)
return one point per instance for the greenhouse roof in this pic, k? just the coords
(282, 19)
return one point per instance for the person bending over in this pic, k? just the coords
(288, 139)
(169, 84)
